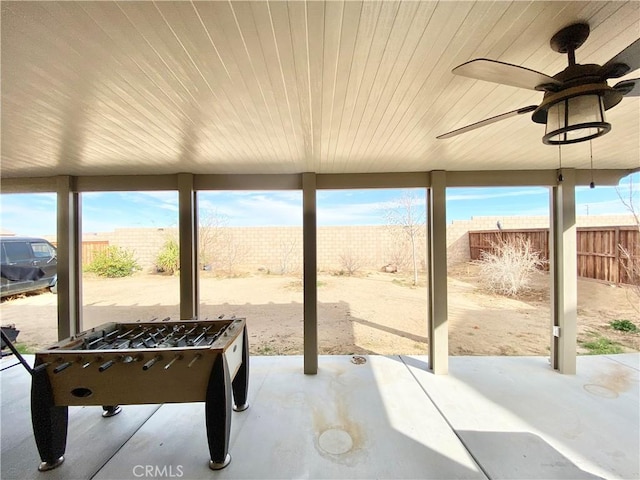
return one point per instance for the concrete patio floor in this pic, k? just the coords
(491, 417)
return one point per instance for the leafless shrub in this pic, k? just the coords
(213, 226)
(631, 266)
(232, 253)
(630, 260)
(508, 268)
(288, 249)
(350, 262)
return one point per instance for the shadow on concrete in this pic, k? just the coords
(592, 415)
(522, 455)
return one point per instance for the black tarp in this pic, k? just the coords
(15, 272)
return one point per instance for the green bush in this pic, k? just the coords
(168, 259)
(602, 346)
(624, 326)
(113, 262)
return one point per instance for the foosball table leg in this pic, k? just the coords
(218, 414)
(49, 422)
(240, 383)
(110, 410)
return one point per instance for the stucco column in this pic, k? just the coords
(188, 234)
(69, 250)
(563, 272)
(437, 269)
(309, 230)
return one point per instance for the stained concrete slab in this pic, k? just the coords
(91, 439)
(491, 417)
(629, 359)
(349, 421)
(573, 426)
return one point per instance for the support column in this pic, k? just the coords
(437, 270)
(69, 251)
(309, 230)
(188, 234)
(563, 272)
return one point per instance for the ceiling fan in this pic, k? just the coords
(575, 99)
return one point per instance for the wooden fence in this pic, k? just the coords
(89, 250)
(600, 249)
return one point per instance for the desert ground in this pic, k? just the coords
(368, 313)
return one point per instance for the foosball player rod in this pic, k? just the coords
(196, 358)
(155, 334)
(62, 367)
(97, 359)
(93, 342)
(111, 333)
(201, 336)
(166, 338)
(168, 365)
(186, 334)
(144, 331)
(215, 337)
(123, 345)
(151, 362)
(106, 365)
(126, 333)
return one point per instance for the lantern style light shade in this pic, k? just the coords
(575, 119)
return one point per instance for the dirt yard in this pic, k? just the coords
(377, 313)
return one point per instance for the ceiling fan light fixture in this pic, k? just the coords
(575, 119)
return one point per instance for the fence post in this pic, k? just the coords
(616, 260)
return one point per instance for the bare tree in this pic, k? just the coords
(232, 252)
(287, 250)
(210, 234)
(631, 255)
(629, 200)
(407, 218)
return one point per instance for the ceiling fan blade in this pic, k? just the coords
(505, 74)
(629, 88)
(487, 121)
(626, 61)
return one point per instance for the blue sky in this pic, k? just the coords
(35, 214)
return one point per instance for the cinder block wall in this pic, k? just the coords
(278, 249)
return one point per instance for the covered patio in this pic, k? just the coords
(491, 417)
(190, 97)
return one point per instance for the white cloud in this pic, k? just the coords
(254, 208)
(490, 193)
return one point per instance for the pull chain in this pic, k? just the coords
(592, 184)
(560, 177)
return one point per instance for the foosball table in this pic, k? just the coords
(142, 363)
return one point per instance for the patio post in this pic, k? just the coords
(310, 275)
(437, 319)
(563, 273)
(69, 250)
(188, 233)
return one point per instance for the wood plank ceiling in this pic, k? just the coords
(105, 88)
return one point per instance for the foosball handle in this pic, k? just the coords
(49, 421)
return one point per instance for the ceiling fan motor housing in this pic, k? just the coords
(576, 80)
